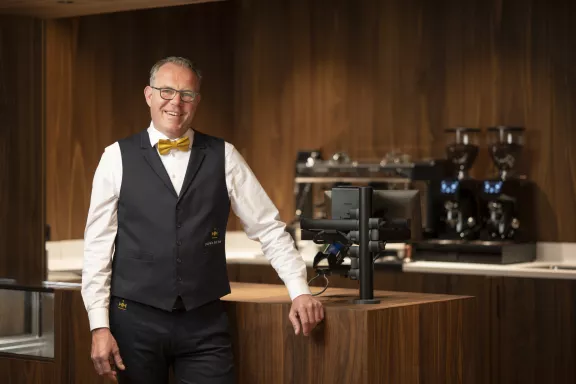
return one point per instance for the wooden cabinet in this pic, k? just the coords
(525, 328)
(407, 338)
(478, 286)
(535, 341)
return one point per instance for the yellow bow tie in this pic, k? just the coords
(164, 146)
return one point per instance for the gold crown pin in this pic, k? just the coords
(122, 305)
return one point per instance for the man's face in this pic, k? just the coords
(172, 117)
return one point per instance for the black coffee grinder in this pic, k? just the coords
(460, 212)
(507, 200)
(488, 221)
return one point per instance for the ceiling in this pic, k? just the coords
(47, 9)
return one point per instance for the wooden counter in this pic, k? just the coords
(407, 338)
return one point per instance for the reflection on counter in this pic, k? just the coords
(27, 323)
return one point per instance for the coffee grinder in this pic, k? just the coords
(488, 221)
(458, 196)
(507, 200)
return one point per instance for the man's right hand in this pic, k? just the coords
(106, 354)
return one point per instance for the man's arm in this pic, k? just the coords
(261, 222)
(99, 236)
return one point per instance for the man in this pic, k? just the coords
(154, 257)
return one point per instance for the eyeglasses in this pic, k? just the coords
(169, 94)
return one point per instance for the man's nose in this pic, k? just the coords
(176, 100)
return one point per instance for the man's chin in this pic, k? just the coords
(174, 128)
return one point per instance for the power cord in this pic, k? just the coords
(325, 288)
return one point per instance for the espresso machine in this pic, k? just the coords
(315, 174)
(459, 207)
(507, 199)
(488, 220)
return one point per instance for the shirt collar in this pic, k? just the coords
(156, 135)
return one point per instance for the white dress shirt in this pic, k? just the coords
(258, 215)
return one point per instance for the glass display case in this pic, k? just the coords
(27, 319)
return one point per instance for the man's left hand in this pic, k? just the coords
(306, 313)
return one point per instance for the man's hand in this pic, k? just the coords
(104, 352)
(306, 313)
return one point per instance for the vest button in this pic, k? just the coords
(178, 260)
(179, 278)
(179, 225)
(178, 242)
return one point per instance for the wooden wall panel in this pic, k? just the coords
(19, 371)
(97, 68)
(73, 340)
(21, 150)
(360, 76)
(371, 77)
(55, 9)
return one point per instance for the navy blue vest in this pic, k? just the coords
(169, 245)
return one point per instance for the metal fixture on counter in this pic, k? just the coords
(396, 171)
(361, 223)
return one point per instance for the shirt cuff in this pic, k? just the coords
(98, 318)
(297, 287)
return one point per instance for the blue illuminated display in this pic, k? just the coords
(492, 187)
(448, 187)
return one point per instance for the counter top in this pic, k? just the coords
(549, 256)
(536, 269)
(65, 260)
(336, 297)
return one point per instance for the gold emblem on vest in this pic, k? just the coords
(214, 238)
(122, 305)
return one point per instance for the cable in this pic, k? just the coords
(325, 288)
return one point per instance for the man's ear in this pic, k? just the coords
(148, 95)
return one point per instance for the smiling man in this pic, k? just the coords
(154, 257)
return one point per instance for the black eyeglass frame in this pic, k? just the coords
(182, 93)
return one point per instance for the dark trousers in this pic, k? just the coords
(196, 343)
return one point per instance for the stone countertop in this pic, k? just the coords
(65, 260)
(549, 256)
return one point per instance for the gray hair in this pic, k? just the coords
(181, 61)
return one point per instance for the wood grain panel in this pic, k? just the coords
(371, 77)
(20, 371)
(408, 338)
(74, 341)
(97, 68)
(72, 345)
(359, 76)
(21, 150)
(536, 328)
(69, 8)
(522, 328)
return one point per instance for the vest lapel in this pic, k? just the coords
(196, 158)
(153, 159)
